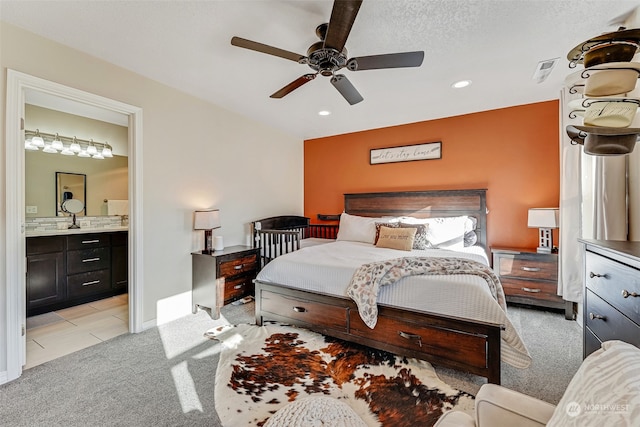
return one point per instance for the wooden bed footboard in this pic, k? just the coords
(447, 341)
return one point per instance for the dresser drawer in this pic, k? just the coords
(88, 260)
(83, 284)
(528, 267)
(607, 323)
(614, 282)
(538, 289)
(238, 266)
(88, 241)
(238, 287)
(314, 313)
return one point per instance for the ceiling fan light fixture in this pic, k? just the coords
(324, 112)
(460, 84)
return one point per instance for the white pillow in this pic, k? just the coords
(358, 228)
(443, 232)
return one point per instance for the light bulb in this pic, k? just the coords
(67, 152)
(106, 151)
(56, 144)
(49, 149)
(91, 149)
(83, 153)
(29, 146)
(98, 156)
(75, 147)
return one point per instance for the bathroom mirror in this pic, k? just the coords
(71, 186)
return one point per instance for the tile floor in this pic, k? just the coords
(77, 328)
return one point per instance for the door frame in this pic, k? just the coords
(17, 85)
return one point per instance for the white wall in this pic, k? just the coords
(196, 155)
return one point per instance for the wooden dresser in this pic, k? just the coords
(611, 293)
(529, 277)
(221, 277)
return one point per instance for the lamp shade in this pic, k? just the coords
(543, 218)
(206, 219)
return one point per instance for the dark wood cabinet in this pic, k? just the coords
(221, 277)
(46, 281)
(529, 277)
(611, 293)
(63, 271)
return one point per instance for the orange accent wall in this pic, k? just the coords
(512, 152)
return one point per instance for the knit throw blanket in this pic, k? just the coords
(368, 278)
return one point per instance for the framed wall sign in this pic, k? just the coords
(406, 153)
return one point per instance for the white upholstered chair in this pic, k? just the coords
(604, 392)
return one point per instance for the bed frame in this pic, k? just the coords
(448, 341)
(278, 235)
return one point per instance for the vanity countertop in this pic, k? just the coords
(65, 232)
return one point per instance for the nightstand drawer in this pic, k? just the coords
(530, 288)
(238, 266)
(528, 267)
(614, 282)
(237, 288)
(607, 323)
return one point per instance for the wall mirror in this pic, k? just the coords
(71, 186)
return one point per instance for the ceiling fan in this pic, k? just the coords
(329, 55)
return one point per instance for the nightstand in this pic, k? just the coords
(221, 277)
(529, 277)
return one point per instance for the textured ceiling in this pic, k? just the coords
(186, 45)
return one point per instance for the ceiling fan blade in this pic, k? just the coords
(293, 85)
(390, 60)
(346, 89)
(343, 15)
(269, 50)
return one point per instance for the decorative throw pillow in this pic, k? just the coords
(396, 238)
(420, 240)
(357, 228)
(385, 224)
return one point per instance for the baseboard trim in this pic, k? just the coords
(149, 324)
(4, 377)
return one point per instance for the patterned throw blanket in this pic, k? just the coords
(367, 280)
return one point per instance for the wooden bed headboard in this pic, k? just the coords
(423, 204)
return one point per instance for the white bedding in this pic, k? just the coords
(328, 268)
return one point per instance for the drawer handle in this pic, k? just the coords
(91, 259)
(299, 309)
(239, 286)
(593, 316)
(413, 337)
(626, 294)
(592, 275)
(84, 242)
(532, 269)
(238, 267)
(532, 290)
(94, 282)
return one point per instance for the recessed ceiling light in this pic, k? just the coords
(324, 113)
(461, 84)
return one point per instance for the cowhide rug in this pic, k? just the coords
(263, 368)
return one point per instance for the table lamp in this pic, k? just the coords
(207, 220)
(545, 219)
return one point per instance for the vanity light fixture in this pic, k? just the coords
(460, 84)
(37, 140)
(68, 146)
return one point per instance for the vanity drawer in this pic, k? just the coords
(93, 282)
(314, 313)
(614, 282)
(88, 241)
(45, 245)
(607, 323)
(88, 260)
(238, 266)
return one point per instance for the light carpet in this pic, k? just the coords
(262, 369)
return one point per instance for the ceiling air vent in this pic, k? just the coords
(544, 69)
